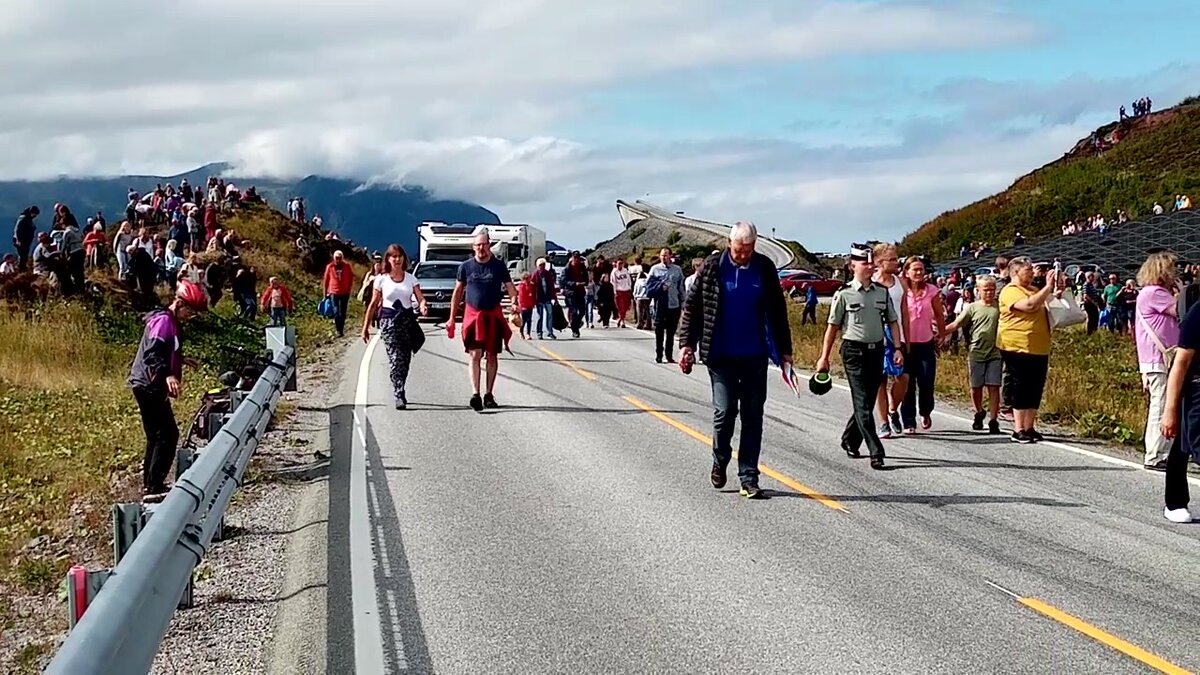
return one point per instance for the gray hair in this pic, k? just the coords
(1018, 263)
(743, 231)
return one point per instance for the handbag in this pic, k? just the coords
(326, 308)
(559, 317)
(1065, 311)
(1167, 354)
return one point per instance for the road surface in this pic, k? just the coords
(574, 530)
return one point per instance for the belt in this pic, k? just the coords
(862, 345)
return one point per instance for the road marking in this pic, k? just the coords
(1099, 456)
(766, 470)
(565, 362)
(1103, 637)
(368, 641)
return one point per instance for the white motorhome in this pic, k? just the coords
(519, 246)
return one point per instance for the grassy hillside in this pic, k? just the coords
(70, 436)
(1158, 158)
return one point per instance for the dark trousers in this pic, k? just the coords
(664, 332)
(863, 363)
(23, 249)
(76, 264)
(162, 436)
(810, 315)
(1185, 447)
(341, 304)
(921, 365)
(576, 310)
(642, 313)
(739, 385)
(1093, 317)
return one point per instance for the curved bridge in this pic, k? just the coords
(639, 210)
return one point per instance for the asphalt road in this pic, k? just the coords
(574, 531)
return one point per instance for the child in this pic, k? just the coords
(526, 301)
(277, 302)
(981, 320)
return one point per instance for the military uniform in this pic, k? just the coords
(861, 312)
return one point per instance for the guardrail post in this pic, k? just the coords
(82, 587)
(279, 337)
(183, 461)
(128, 522)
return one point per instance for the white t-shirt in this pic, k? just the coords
(622, 280)
(396, 290)
(896, 292)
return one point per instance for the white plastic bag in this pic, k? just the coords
(1064, 311)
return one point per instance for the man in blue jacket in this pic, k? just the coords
(737, 314)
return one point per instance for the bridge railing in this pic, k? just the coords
(121, 629)
(779, 253)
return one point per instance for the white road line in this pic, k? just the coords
(368, 643)
(1054, 444)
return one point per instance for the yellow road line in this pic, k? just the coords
(572, 366)
(1108, 639)
(766, 470)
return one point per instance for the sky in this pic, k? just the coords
(826, 121)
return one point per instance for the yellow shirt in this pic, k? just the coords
(1025, 332)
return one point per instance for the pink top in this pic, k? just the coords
(1153, 302)
(920, 314)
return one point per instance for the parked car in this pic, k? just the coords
(800, 280)
(437, 278)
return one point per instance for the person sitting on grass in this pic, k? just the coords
(981, 321)
(8, 265)
(277, 302)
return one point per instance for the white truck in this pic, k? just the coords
(519, 246)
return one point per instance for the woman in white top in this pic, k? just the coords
(622, 281)
(395, 294)
(887, 264)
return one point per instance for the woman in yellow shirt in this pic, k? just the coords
(1024, 342)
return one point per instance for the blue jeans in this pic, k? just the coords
(921, 365)
(278, 316)
(545, 312)
(738, 385)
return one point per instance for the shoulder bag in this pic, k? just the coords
(1167, 354)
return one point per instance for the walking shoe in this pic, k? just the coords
(476, 402)
(539, 336)
(911, 431)
(877, 463)
(552, 336)
(994, 427)
(489, 401)
(574, 333)
(977, 423)
(852, 453)
(1156, 466)
(401, 404)
(1177, 515)
(717, 476)
(1021, 437)
(1035, 435)
(885, 430)
(155, 494)
(658, 359)
(897, 425)
(752, 491)
(926, 421)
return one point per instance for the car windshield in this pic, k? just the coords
(436, 271)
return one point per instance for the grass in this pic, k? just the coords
(1088, 373)
(1157, 160)
(70, 435)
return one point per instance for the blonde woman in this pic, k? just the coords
(1155, 329)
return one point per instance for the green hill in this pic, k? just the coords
(1157, 157)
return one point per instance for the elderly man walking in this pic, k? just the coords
(737, 314)
(665, 289)
(338, 284)
(483, 278)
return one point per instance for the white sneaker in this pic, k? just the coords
(1177, 515)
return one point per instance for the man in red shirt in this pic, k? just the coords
(339, 278)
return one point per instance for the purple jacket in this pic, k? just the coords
(159, 354)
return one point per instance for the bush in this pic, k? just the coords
(636, 232)
(674, 237)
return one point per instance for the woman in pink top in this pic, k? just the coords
(926, 325)
(1155, 316)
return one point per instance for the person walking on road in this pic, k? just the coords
(665, 289)
(483, 278)
(155, 378)
(338, 282)
(622, 281)
(981, 321)
(926, 328)
(526, 301)
(860, 311)
(545, 292)
(641, 306)
(395, 294)
(737, 314)
(574, 282)
(894, 385)
(1180, 421)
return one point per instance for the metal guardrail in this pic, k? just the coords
(121, 630)
(779, 253)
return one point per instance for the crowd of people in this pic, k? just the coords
(1142, 106)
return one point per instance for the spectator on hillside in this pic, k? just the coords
(1110, 292)
(73, 255)
(1024, 342)
(121, 241)
(245, 291)
(337, 283)
(1126, 303)
(1158, 209)
(1093, 301)
(211, 223)
(8, 265)
(1019, 239)
(277, 302)
(172, 263)
(25, 234)
(46, 259)
(1155, 331)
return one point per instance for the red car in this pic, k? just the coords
(800, 280)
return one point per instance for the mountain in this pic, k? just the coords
(1148, 159)
(370, 215)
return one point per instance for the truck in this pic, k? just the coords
(519, 246)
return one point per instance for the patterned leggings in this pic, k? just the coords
(399, 356)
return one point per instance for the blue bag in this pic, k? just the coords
(889, 354)
(326, 309)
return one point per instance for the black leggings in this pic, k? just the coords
(162, 436)
(1026, 378)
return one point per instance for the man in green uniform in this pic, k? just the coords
(859, 311)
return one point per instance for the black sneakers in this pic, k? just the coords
(752, 491)
(977, 424)
(476, 403)
(1021, 437)
(994, 427)
(1035, 435)
(717, 476)
(489, 401)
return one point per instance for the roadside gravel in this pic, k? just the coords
(240, 584)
